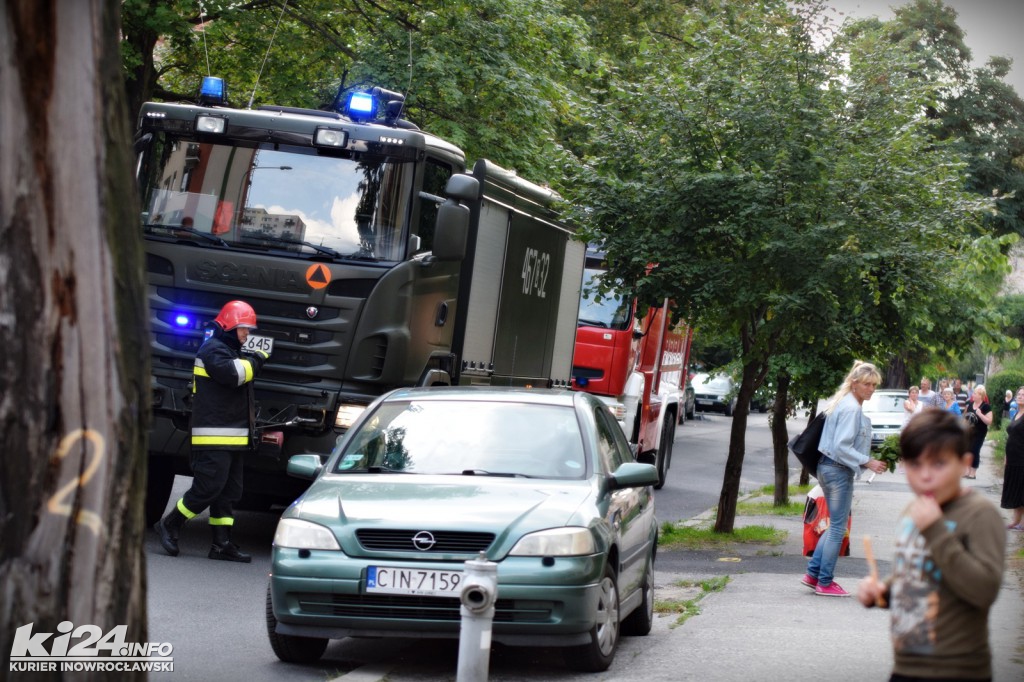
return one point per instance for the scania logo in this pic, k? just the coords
(312, 312)
(255, 276)
(423, 541)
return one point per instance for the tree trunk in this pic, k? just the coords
(737, 449)
(780, 439)
(74, 371)
(896, 373)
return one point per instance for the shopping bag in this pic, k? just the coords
(816, 522)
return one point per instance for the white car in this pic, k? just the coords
(885, 410)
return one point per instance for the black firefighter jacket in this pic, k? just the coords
(223, 407)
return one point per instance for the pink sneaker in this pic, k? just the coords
(831, 590)
(809, 581)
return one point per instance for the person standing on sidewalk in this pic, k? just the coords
(846, 447)
(979, 416)
(927, 396)
(950, 552)
(223, 427)
(1013, 474)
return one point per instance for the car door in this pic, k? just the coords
(630, 510)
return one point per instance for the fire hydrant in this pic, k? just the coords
(479, 593)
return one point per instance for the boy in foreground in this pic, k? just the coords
(950, 551)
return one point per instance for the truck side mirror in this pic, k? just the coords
(452, 229)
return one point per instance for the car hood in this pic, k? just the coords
(509, 508)
(879, 419)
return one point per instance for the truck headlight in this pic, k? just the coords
(299, 534)
(347, 415)
(556, 542)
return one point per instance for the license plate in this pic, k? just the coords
(703, 402)
(429, 582)
(264, 343)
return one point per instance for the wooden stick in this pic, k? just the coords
(869, 554)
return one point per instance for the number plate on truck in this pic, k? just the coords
(429, 582)
(263, 343)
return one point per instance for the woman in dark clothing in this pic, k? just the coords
(978, 416)
(1013, 474)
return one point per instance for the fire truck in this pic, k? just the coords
(636, 362)
(372, 257)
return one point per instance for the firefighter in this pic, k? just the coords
(223, 430)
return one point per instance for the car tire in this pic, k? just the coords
(598, 655)
(289, 648)
(640, 622)
(663, 460)
(728, 409)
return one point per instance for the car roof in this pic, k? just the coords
(516, 394)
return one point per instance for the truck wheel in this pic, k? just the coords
(289, 648)
(604, 636)
(664, 456)
(159, 481)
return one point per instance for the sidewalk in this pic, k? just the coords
(764, 625)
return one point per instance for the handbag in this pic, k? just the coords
(805, 446)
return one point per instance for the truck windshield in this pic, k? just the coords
(610, 312)
(275, 197)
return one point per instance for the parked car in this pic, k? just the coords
(542, 482)
(715, 392)
(885, 410)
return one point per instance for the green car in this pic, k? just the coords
(542, 482)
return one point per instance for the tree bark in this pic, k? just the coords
(729, 496)
(74, 371)
(780, 439)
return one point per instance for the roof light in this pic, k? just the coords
(212, 91)
(360, 106)
(330, 137)
(211, 124)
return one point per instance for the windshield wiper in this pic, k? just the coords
(285, 240)
(485, 472)
(190, 230)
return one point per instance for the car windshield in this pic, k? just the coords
(717, 384)
(609, 310)
(885, 402)
(467, 438)
(279, 197)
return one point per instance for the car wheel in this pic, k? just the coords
(640, 622)
(728, 409)
(289, 648)
(664, 457)
(604, 636)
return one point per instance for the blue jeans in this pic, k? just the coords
(837, 484)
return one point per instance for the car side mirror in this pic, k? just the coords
(306, 466)
(634, 475)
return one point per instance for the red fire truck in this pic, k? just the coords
(636, 363)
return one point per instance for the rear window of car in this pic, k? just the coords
(457, 437)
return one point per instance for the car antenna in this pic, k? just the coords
(272, 36)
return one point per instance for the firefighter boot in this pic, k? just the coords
(167, 528)
(224, 549)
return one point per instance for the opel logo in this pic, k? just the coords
(423, 541)
(312, 312)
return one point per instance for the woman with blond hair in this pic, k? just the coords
(978, 417)
(846, 450)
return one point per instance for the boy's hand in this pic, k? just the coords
(871, 591)
(924, 511)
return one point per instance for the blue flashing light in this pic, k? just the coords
(183, 320)
(360, 104)
(212, 91)
(582, 381)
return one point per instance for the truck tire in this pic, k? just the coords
(159, 482)
(663, 460)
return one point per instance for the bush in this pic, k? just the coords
(997, 386)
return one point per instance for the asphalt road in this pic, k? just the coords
(212, 612)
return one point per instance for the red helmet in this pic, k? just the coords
(236, 314)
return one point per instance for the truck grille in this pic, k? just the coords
(449, 542)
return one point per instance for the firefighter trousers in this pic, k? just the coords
(216, 483)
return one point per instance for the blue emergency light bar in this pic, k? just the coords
(212, 91)
(360, 105)
(182, 320)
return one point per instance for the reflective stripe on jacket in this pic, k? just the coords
(222, 405)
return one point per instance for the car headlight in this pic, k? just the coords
(299, 534)
(556, 542)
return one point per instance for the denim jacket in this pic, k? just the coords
(846, 438)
